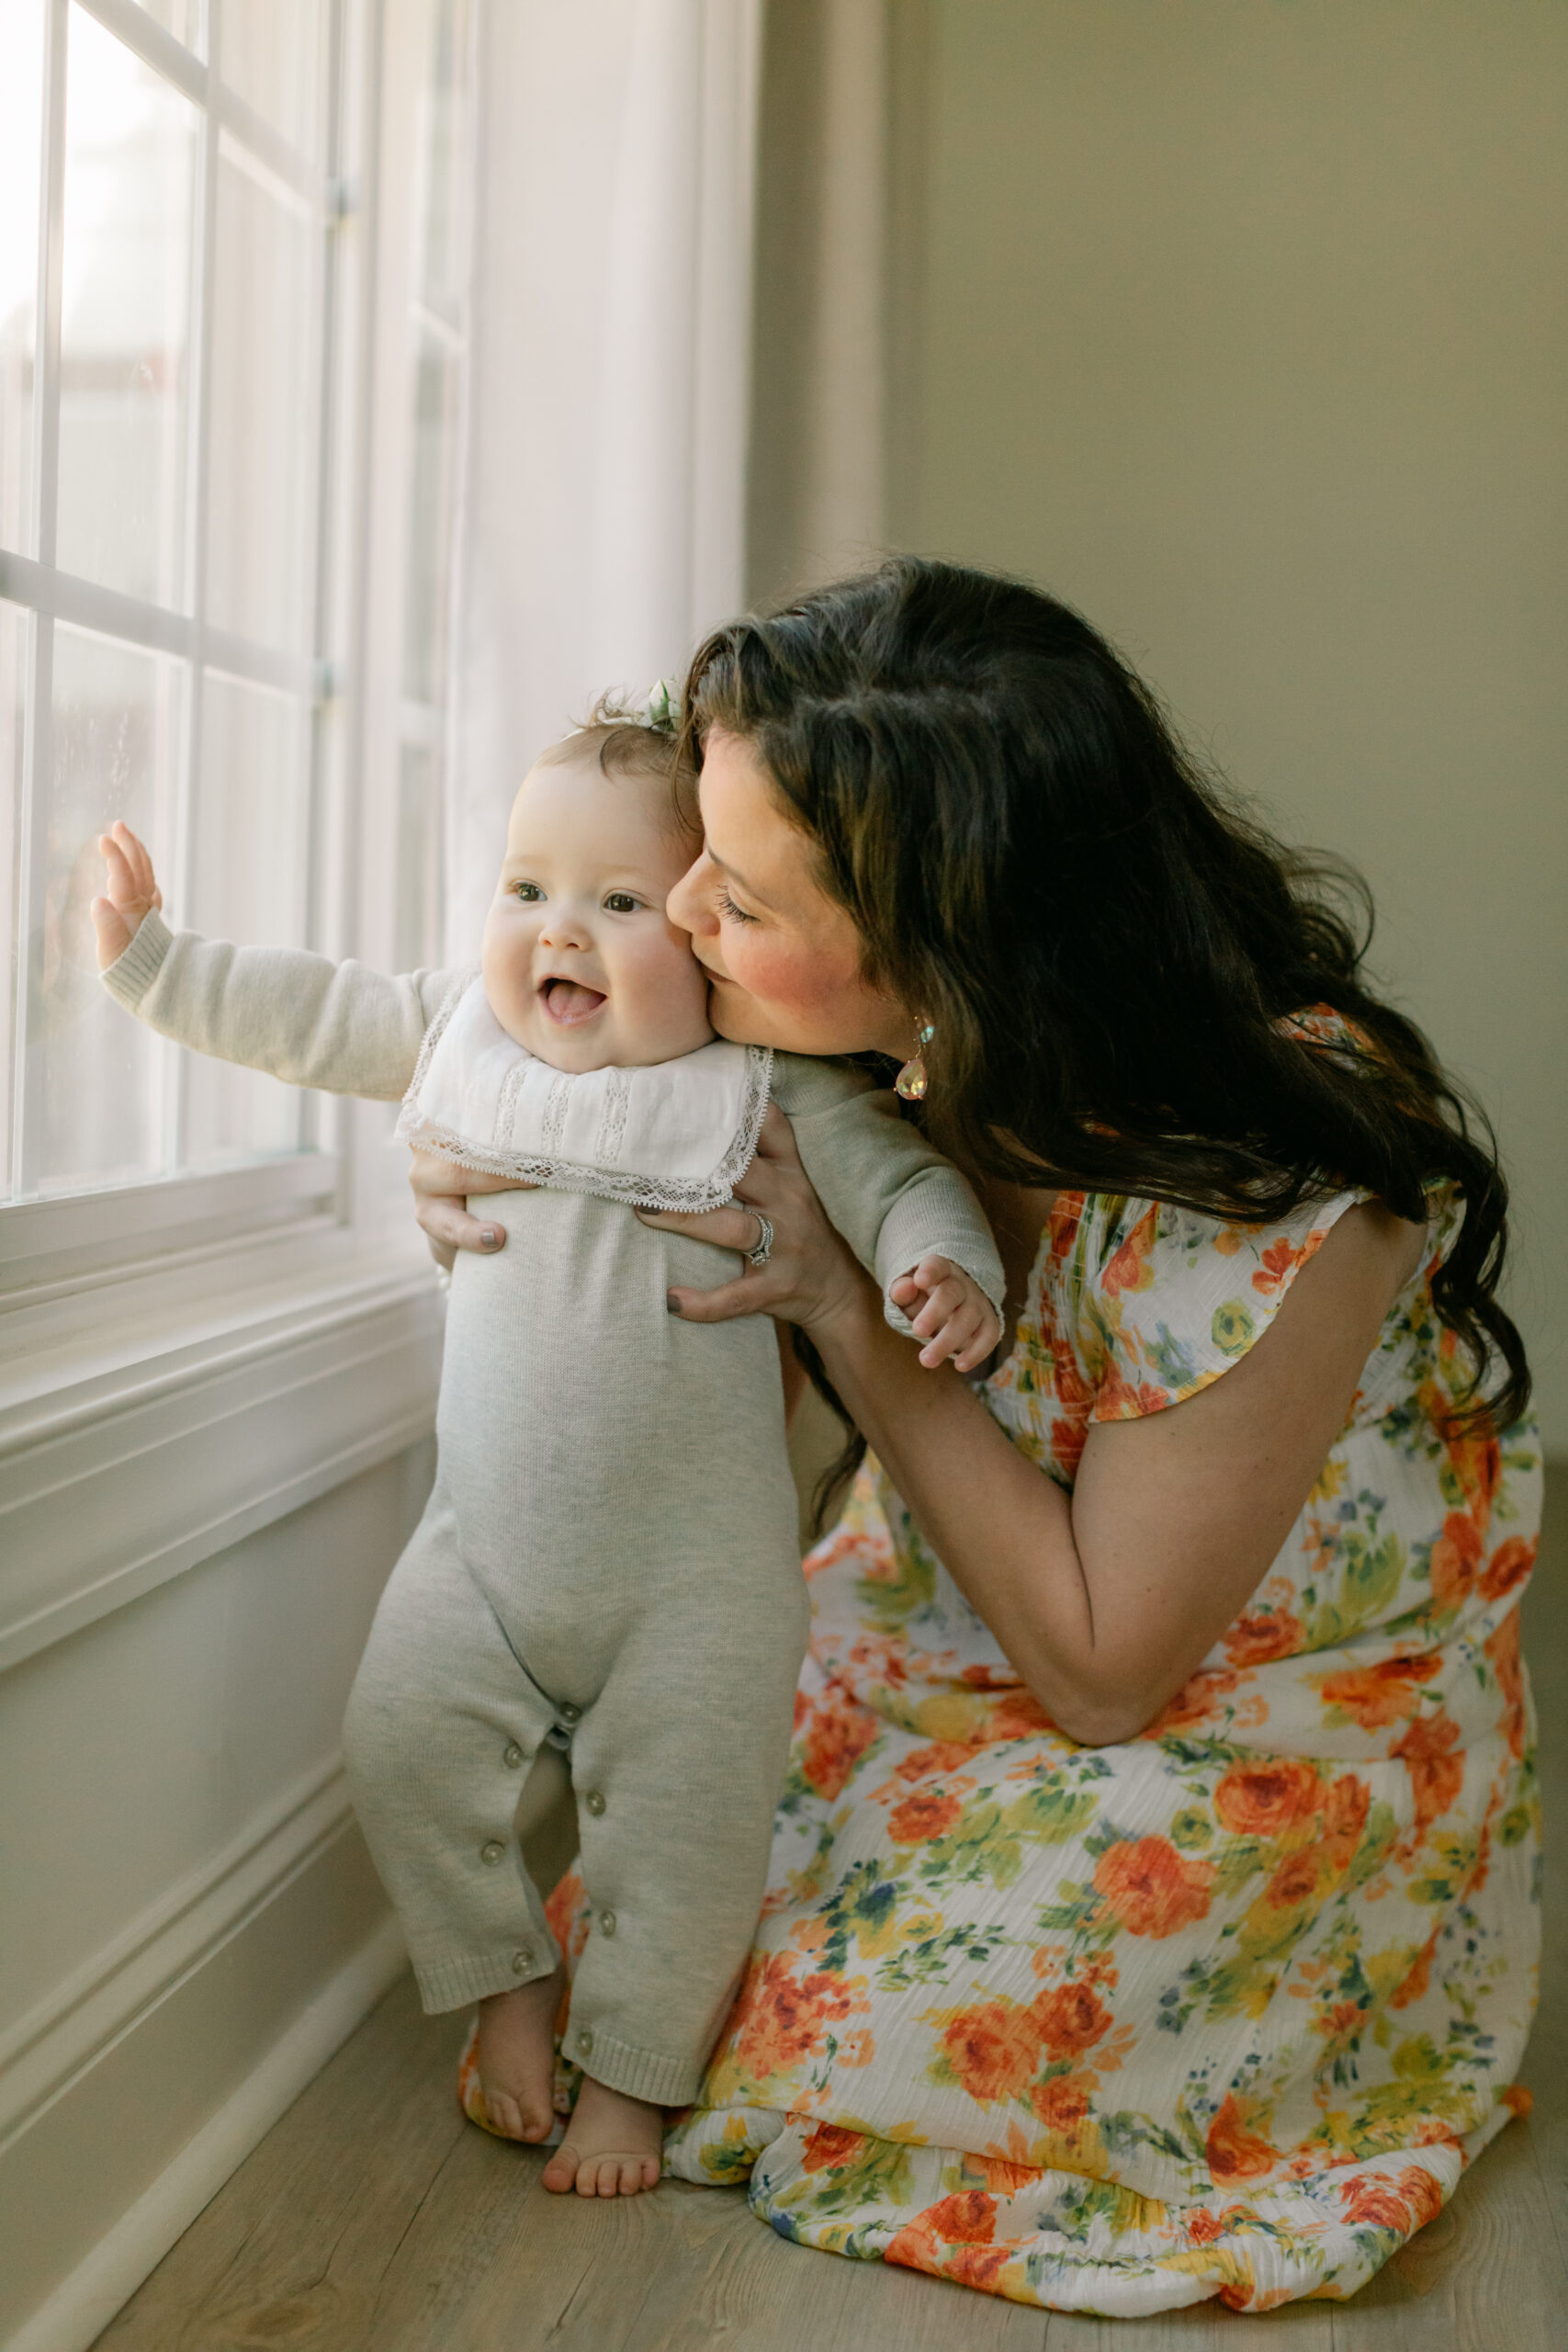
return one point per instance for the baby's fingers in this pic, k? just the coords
(983, 1343)
(954, 1336)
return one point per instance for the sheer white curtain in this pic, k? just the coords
(603, 488)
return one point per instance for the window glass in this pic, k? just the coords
(180, 17)
(131, 147)
(421, 860)
(21, 118)
(94, 1109)
(433, 454)
(248, 866)
(269, 53)
(440, 157)
(260, 478)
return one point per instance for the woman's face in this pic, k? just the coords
(783, 958)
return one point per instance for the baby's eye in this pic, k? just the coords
(529, 892)
(622, 902)
(730, 912)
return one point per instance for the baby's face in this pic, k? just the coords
(581, 965)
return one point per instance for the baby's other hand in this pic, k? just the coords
(955, 1320)
(131, 893)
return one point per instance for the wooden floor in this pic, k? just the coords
(373, 2219)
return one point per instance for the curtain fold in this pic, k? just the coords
(601, 523)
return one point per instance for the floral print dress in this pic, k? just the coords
(1226, 2009)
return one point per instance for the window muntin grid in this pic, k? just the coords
(159, 640)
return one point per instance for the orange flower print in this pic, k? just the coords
(840, 1735)
(1415, 1985)
(1233, 2152)
(1204, 2227)
(1510, 1565)
(778, 2019)
(1436, 1774)
(1294, 1883)
(1344, 1812)
(1503, 1650)
(1016, 1716)
(994, 2049)
(1279, 1262)
(1376, 1695)
(1456, 1555)
(1130, 1269)
(830, 2147)
(1262, 1798)
(928, 1813)
(1152, 1889)
(969, 2219)
(1060, 2105)
(1071, 2018)
(1404, 2204)
(1253, 1641)
(937, 1756)
(1198, 1698)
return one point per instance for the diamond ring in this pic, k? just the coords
(764, 1250)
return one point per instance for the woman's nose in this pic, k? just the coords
(687, 904)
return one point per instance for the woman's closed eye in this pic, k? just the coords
(730, 912)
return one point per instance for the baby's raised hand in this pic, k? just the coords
(950, 1312)
(130, 891)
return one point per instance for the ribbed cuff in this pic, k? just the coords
(638, 2073)
(131, 976)
(457, 1984)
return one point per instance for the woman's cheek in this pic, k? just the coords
(777, 972)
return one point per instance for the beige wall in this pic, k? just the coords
(1244, 329)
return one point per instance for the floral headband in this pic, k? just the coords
(659, 708)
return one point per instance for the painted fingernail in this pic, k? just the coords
(490, 1238)
(671, 1304)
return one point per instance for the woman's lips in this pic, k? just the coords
(569, 1003)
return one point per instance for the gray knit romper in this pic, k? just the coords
(608, 1560)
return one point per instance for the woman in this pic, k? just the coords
(1152, 1914)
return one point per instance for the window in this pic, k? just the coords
(189, 457)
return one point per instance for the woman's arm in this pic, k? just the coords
(1106, 1599)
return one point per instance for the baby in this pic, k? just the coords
(608, 1561)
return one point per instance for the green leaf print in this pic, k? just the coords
(1232, 1328)
(1192, 1831)
(1050, 1815)
(891, 1601)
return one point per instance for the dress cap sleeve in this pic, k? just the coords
(1173, 1299)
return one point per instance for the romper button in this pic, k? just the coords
(568, 1713)
(594, 1801)
(522, 1962)
(491, 1852)
(585, 2041)
(513, 1757)
(606, 1923)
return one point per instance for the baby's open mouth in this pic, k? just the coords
(569, 1001)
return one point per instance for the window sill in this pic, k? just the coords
(148, 1424)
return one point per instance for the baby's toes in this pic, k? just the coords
(503, 2111)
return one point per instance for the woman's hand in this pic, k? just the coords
(811, 1277)
(440, 1190)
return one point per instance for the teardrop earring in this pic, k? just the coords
(910, 1082)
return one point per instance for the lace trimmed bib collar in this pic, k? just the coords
(672, 1135)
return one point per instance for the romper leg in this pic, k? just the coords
(677, 1768)
(442, 1724)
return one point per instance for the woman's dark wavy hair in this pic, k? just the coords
(1106, 946)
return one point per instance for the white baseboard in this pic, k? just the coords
(82, 2305)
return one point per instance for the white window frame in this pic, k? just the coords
(93, 1228)
(185, 1359)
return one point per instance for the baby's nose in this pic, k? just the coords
(566, 926)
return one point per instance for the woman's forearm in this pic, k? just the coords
(1003, 1531)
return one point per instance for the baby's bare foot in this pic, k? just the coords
(516, 2057)
(612, 2146)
